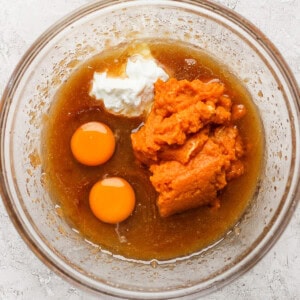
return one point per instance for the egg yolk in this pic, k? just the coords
(93, 143)
(112, 200)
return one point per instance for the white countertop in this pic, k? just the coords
(23, 276)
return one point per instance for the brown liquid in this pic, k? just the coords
(144, 235)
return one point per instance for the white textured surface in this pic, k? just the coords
(23, 276)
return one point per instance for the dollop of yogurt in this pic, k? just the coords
(133, 94)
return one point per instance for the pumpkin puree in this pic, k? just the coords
(190, 143)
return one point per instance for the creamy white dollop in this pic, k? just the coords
(133, 94)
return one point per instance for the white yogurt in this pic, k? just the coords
(133, 94)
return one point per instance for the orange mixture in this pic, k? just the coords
(145, 235)
(190, 143)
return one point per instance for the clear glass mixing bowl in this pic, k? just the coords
(50, 60)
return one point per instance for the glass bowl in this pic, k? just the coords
(103, 24)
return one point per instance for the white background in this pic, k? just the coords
(23, 276)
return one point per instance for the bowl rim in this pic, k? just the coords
(265, 244)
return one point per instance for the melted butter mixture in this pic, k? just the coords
(144, 235)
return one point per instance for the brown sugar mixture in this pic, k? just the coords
(223, 143)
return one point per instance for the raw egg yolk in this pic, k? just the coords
(93, 143)
(112, 200)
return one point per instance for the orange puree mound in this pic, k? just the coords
(190, 144)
